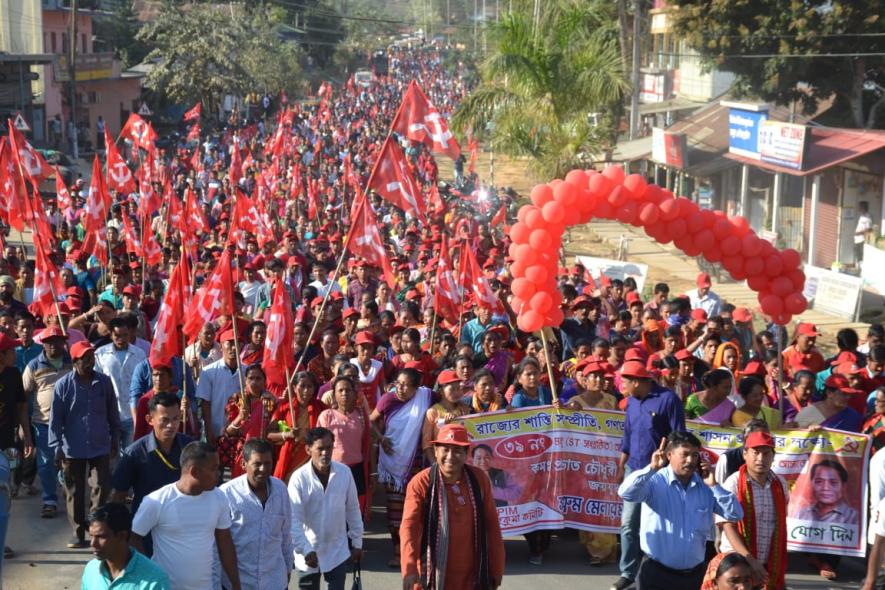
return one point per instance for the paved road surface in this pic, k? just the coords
(43, 563)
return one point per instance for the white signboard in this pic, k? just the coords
(871, 268)
(614, 269)
(782, 143)
(832, 292)
(20, 123)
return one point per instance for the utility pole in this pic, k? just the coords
(635, 118)
(72, 72)
(485, 48)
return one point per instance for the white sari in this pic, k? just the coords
(404, 429)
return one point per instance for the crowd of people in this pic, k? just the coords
(223, 476)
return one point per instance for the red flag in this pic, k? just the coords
(194, 133)
(278, 355)
(14, 190)
(119, 175)
(194, 218)
(312, 198)
(446, 294)
(473, 147)
(63, 195)
(167, 341)
(471, 275)
(194, 113)
(98, 203)
(236, 164)
(435, 200)
(153, 254)
(365, 241)
(133, 243)
(500, 217)
(47, 281)
(150, 200)
(28, 160)
(139, 131)
(213, 299)
(394, 182)
(419, 120)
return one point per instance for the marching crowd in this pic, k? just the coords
(222, 466)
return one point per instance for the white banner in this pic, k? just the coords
(614, 269)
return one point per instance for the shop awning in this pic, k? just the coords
(826, 148)
(634, 149)
(674, 104)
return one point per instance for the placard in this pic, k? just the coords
(832, 292)
(615, 269)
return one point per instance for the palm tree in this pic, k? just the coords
(550, 90)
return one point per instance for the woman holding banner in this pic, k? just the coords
(832, 411)
(712, 406)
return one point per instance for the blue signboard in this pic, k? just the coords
(743, 131)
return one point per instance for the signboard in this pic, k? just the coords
(743, 131)
(552, 468)
(870, 269)
(655, 86)
(90, 66)
(20, 123)
(144, 111)
(782, 143)
(669, 148)
(614, 269)
(832, 292)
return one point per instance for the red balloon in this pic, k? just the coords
(695, 222)
(687, 208)
(774, 266)
(554, 317)
(738, 274)
(704, 240)
(517, 303)
(751, 245)
(756, 282)
(626, 212)
(692, 250)
(577, 177)
(537, 274)
(540, 239)
(615, 173)
(669, 209)
(772, 305)
(781, 286)
(797, 277)
(635, 185)
(541, 193)
(752, 266)
(617, 197)
(600, 185)
(721, 229)
(782, 319)
(767, 249)
(541, 302)
(534, 219)
(795, 303)
(586, 202)
(604, 209)
(732, 263)
(713, 254)
(709, 217)
(654, 194)
(517, 268)
(553, 211)
(530, 321)
(683, 241)
(512, 248)
(741, 226)
(649, 214)
(523, 288)
(791, 260)
(677, 228)
(526, 253)
(519, 232)
(730, 246)
(566, 194)
(572, 216)
(520, 215)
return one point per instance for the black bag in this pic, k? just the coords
(357, 578)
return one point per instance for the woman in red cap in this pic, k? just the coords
(412, 353)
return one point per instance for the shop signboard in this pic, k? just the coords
(782, 143)
(743, 131)
(668, 148)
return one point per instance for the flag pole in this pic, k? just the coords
(549, 365)
(233, 323)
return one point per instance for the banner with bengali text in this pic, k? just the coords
(553, 468)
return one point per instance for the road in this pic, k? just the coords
(43, 563)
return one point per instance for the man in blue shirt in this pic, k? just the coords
(116, 564)
(679, 496)
(653, 412)
(84, 431)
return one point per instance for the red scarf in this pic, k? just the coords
(292, 453)
(776, 566)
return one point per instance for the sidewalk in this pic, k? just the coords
(667, 264)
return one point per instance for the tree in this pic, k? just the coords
(204, 52)
(797, 35)
(549, 91)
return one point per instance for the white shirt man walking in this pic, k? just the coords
(320, 528)
(261, 521)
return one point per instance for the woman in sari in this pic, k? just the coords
(799, 396)
(494, 357)
(307, 409)
(682, 380)
(752, 391)
(711, 405)
(485, 397)
(250, 415)
(875, 424)
(728, 356)
(253, 350)
(728, 571)
(831, 412)
(411, 345)
(350, 424)
(448, 408)
(399, 416)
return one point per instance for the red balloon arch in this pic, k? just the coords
(585, 195)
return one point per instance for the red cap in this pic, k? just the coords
(849, 369)
(845, 357)
(807, 329)
(605, 281)
(417, 365)
(634, 369)
(593, 367)
(453, 434)
(758, 439)
(632, 297)
(581, 300)
(227, 335)
(349, 312)
(754, 368)
(336, 296)
(316, 301)
(683, 354)
(448, 376)
(7, 343)
(836, 381)
(742, 314)
(78, 349)
(500, 329)
(703, 280)
(130, 290)
(364, 337)
(51, 332)
(396, 328)
(633, 354)
(699, 315)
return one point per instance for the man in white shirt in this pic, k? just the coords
(118, 361)
(321, 280)
(204, 351)
(874, 579)
(320, 528)
(864, 227)
(261, 521)
(188, 519)
(877, 486)
(250, 287)
(704, 298)
(218, 382)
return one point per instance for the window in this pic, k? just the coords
(52, 40)
(64, 43)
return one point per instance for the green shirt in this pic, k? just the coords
(140, 574)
